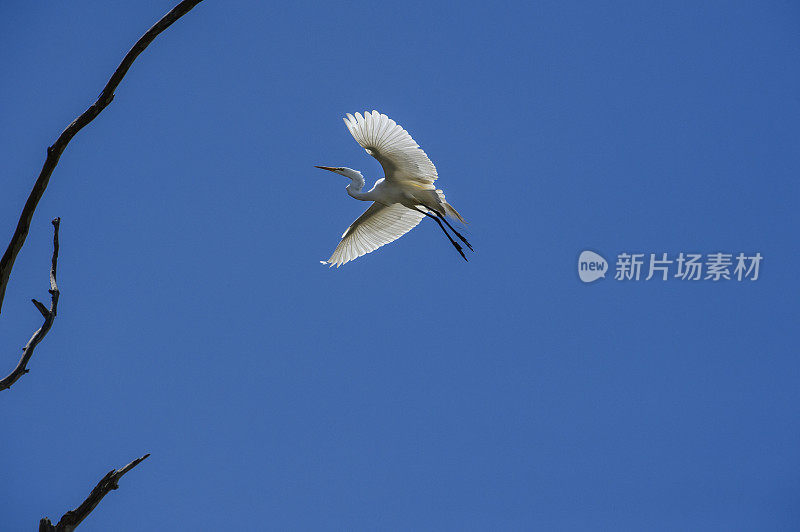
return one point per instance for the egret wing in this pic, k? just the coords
(400, 156)
(379, 225)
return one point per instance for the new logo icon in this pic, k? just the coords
(591, 266)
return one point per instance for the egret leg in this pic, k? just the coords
(455, 244)
(459, 235)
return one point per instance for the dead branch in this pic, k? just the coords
(109, 482)
(73, 518)
(54, 152)
(48, 314)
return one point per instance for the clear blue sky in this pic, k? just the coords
(408, 389)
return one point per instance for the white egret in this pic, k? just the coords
(400, 200)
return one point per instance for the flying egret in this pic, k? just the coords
(400, 200)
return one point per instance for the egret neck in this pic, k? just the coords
(356, 185)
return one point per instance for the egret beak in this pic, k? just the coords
(329, 168)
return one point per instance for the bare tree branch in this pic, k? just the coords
(48, 314)
(73, 518)
(54, 152)
(109, 482)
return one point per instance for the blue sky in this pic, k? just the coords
(408, 389)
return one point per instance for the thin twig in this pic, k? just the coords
(54, 152)
(48, 314)
(73, 518)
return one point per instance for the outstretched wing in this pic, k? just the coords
(378, 225)
(401, 157)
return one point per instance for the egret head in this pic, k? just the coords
(354, 175)
(336, 169)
